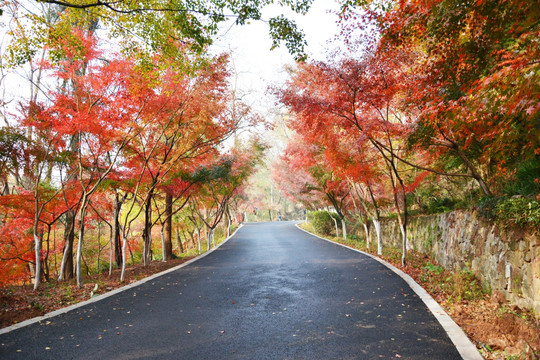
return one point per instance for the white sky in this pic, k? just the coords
(257, 66)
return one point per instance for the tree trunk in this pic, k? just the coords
(66, 269)
(46, 257)
(5, 187)
(82, 214)
(366, 230)
(193, 241)
(343, 228)
(199, 239)
(116, 231)
(209, 232)
(124, 246)
(37, 245)
(99, 247)
(402, 219)
(404, 230)
(162, 232)
(168, 228)
(229, 220)
(147, 231)
(111, 242)
(179, 240)
(335, 223)
(378, 232)
(375, 220)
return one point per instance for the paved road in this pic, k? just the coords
(271, 292)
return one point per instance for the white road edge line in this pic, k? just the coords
(464, 345)
(110, 293)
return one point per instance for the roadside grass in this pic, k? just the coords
(500, 331)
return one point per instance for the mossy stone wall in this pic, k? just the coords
(507, 260)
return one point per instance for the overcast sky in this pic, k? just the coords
(259, 67)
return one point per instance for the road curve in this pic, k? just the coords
(270, 292)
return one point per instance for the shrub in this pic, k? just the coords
(525, 182)
(486, 207)
(438, 205)
(518, 211)
(514, 211)
(322, 221)
(434, 269)
(465, 286)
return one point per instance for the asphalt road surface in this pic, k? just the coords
(270, 292)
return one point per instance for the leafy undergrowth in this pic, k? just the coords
(499, 330)
(19, 303)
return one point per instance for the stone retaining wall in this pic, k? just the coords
(504, 260)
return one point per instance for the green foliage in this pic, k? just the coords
(283, 29)
(307, 226)
(486, 206)
(465, 286)
(458, 286)
(354, 237)
(525, 183)
(30, 38)
(514, 211)
(518, 211)
(421, 135)
(37, 305)
(434, 205)
(12, 143)
(434, 269)
(322, 221)
(206, 174)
